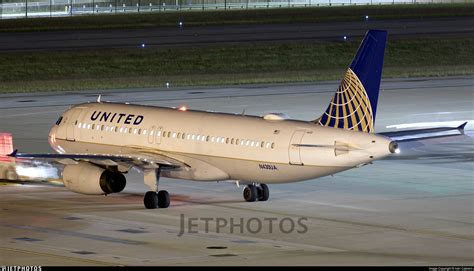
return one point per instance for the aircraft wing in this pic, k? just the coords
(133, 157)
(420, 135)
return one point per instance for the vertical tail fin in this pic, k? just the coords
(354, 105)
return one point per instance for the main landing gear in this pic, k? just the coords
(254, 192)
(152, 200)
(156, 198)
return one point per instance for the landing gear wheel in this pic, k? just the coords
(163, 199)
(250, 193)
(264, 192)
(151, 200)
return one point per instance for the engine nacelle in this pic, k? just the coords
(86, 178)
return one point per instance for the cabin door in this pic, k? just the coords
(72, 130)
(294, 148)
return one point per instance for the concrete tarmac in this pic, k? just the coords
(166, 37)
(407, 210)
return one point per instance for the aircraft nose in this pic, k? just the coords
(53, 131)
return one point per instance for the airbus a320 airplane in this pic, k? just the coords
(99, 142)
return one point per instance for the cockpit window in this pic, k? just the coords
(59, 120)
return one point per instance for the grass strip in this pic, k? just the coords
(236, 64)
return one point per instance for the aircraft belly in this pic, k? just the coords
(266, 172)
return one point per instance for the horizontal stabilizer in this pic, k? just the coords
(422, 134)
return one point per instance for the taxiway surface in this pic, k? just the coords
(165, 37)
(415, 210)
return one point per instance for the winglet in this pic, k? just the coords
(461, 127)
(13, 154)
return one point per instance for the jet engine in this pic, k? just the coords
(89, 179)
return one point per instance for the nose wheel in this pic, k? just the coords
(256, 192)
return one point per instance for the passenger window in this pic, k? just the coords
(207, 138)
(273, 145)
(183, 136)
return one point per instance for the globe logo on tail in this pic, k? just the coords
(350, 107)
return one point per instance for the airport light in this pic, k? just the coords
(143, 45)
(345, 38)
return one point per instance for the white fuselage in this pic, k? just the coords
(217, 146)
